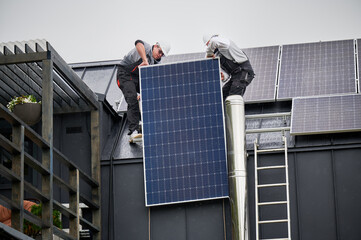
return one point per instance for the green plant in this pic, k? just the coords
(33, 230)
(20, 100)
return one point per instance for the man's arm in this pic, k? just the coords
(141, 51)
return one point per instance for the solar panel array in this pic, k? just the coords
(317, 69)
(183, 132)
(264, 62)
(326, 114)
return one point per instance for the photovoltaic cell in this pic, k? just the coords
(326, 114)
(183, 132)
(317, 69)
(264, 62)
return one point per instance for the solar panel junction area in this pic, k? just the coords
(183, 132)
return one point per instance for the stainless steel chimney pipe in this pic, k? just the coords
(236, 148)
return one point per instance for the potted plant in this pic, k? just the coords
(26, 108)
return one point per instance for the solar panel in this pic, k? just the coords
(264, 62)
(317, 69)
(358, 63)
(327, 114)
(183, 57)
(183, 132)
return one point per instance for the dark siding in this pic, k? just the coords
(348, 188)
(175, 225)
(130, 213)
(315, 196)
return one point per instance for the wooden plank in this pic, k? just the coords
(33, 218)
(24, 58)
(17, 190)
(19, 85)
(47, 154)
(9, 87)
(92, 205)
(8, 174)
(73, 79)
(21, 76)
(12, 233)
(64, 184)
(35, 192)
(95, 162)
(74, 203)
(4, 201)
(64, 210)
(33, 163)
(34, 72)
(85, 223)
(91, 181)
(9, 146)
(63, 159)
(62, 234)
(59, 82)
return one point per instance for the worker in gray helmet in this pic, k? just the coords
(234, 62)
(128, 78)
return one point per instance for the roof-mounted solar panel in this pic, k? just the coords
(317, 69)
(358, 64)
(326, 114)
(264, 61)
(183, 132)
(183, 57)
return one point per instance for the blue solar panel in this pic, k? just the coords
(183, 132)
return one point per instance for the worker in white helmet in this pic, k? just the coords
(234, 62)
(128, 78)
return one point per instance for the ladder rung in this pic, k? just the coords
(271, 203)
(273, 221)
(271, 167)
(272, 185)
(270, 150)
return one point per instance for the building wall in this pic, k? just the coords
(324, 189)
(324, 197)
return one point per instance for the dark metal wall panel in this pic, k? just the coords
(130, 213)
(316, 196)
(175, 226)
(347, 183)
(205, 220)
(106, 213)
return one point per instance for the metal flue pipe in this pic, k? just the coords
(236, 148)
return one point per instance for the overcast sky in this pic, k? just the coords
(88, 30)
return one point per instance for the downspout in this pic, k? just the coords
(236, 147)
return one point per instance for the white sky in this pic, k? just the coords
(89, 30)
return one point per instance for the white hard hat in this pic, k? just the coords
(165, 46)
(208, 36)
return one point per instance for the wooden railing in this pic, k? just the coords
(15, 146)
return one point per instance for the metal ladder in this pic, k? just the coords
(284, 166)
(272, 185)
